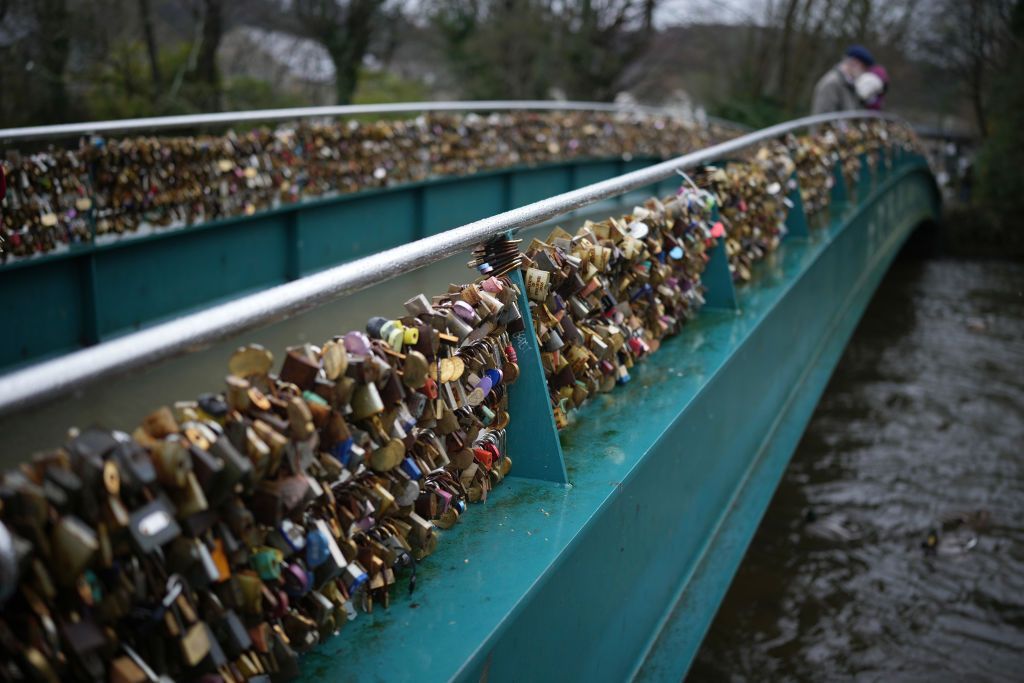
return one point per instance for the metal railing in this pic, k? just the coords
(65, 130)
(37, 383)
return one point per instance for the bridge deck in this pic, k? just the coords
(636, 554)
(619, 573)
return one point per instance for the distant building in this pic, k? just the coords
(290, 64)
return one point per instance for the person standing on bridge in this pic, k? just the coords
(872, 85)
(836, 90)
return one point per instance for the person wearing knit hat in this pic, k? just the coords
(871, 87)
(836, 90)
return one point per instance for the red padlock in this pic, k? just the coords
(430, 389)
(483, 456)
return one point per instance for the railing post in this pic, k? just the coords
(796, 217)
(292, 246)
(419, 212)
(864, 179)
(506, 190)
(720, 292)
(532, 438)
(881, 166)
(839, 196)
(90, 327)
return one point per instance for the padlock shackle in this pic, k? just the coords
(32, 385)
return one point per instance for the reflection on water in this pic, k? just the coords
(921, 428)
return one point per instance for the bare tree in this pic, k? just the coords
(972, 39)
(497, 48)
(146, 17)
(54, 47)
(525, 48)
(205, 72)
(344, 28)
(601, 39)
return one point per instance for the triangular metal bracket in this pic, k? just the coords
(796, 217)
(719, 291)
(531, 434)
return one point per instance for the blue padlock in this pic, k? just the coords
(410, 467)
(317, 549)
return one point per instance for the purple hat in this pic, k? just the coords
(861, 54)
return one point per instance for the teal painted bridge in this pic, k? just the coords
(618, 575)
(606, 554)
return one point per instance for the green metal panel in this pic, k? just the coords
(137, 284)
(667, 187)
(638, 196)
(339, 232)
(589, 173)
(534, 185)
(41, 311)
(450, 204)
(620, 573)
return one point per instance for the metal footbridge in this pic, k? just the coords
(606, 553)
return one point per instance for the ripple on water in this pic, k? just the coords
(922, 421)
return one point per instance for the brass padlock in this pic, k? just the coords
(74, 546)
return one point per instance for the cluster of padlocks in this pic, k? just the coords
(227, 534)
(815, 155)
(116, 186)
(606, 297)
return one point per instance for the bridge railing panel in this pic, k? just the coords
(590, 571)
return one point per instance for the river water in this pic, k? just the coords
(921, 428)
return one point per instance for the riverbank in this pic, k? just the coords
(975, 233)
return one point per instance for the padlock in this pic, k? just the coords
(172, 462)
(232, 634)
(153, 525)
(134, 465)
(195, 644)
(74, 546)
(251, 360)
(299, 368)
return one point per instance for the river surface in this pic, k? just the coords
(921, 428)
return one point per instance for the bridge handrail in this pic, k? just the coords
(155, 123)
(48, 379)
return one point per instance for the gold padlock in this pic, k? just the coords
(172, 461)
(195, 644)
(74, 545)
